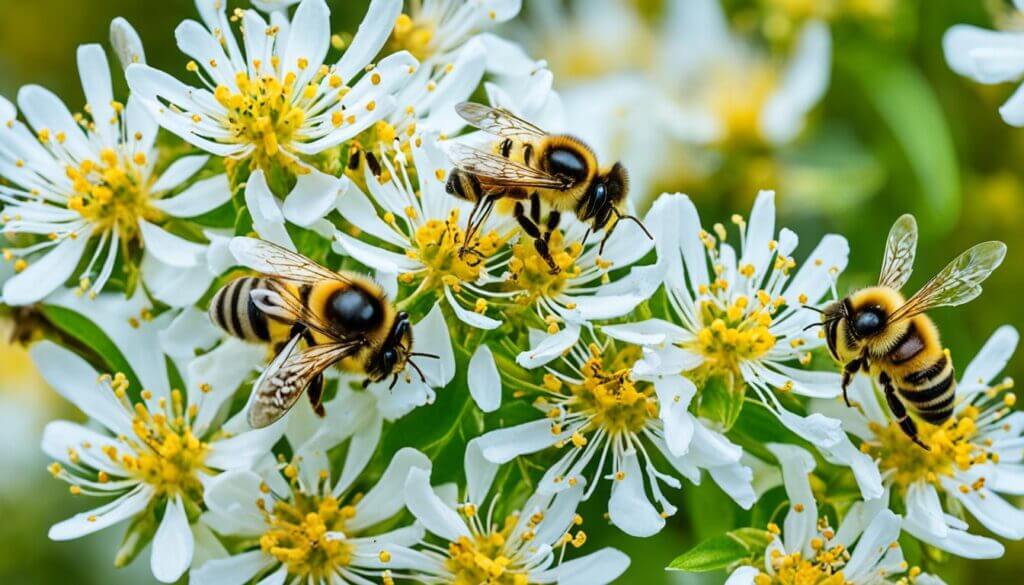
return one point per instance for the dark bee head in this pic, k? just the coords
(867, 321)
(604, 196)
(393, 354)
(853, 324)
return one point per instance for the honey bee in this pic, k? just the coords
(876, 330)
(528, 164)
(343, 318)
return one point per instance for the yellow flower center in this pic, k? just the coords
(297, 536)
(112, 193)
(738, 96)
(414, 35)
(615, 402)
(734, 334)
(265, 114)
(165, 453)
(530, 273)
(439, 247)
(793, 569)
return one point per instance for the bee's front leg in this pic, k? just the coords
(540, 242)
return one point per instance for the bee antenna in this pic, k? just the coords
(813, 325)
(394, 381)
(432, 356)
(586, 236)
(418, 371)
(815, 309)
(635, 220)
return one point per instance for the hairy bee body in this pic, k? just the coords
(908, 355)
(233, 310)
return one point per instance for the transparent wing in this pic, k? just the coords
(498, 121)
(900, 249)
(273, 260)
(284, 380)
(494, 170)
(283, 302)
(959, 282)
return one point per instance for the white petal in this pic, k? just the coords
(201, 197)
(380, 259)
(865, 470)
(628, 508)
(235, 570)
(75, 380)
(431, 335)
(989, 361)
(669, 360)
(674, 395)
(242, 451)
(504, 445)
(802, 518)
(169, 248)
(479, 472)
(551, 348)
(313, 197)
(231, 498)
(484, 380)
(597, 568)
(429, 510)
(45, 274)
(99, 91)
(743, 576)
(357, 208)
(172, 285)
(737, 481)
(267, 219)
(1012, 109)
(179, 171)
(373, 32)
(121, 509)
(386, 498)
(126, 43)
(309, 39)
(872, 546)
(803, 85)
(649, 332)
(815, 428)
(172, 545)
(957, 542)
(984, 55)
(471, 318)
(924, 507)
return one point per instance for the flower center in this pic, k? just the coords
(265, 114)
(298, 535)
(166, 454)
(608, 395)
(488, 556)
(439, 248)
(824, 568)
(738, 98)
(734, 334)
(112, 193)
(414, 35)
(530, 273)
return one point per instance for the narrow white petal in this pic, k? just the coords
(552, 347)
(172, 545)
(480, 472)
(109, 514)
(484, 380)
(504, 445)
(597, 568)
(628, 507)
(313, 197)
(267, 219)
(429, 510)
(45, 274)
(236, 570)
(373, 32)
(802, 517)
(169, 248)
(126, 43)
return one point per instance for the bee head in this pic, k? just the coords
(393, 354)
(605, 195)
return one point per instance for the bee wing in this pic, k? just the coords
(282, 302)
(284, 380)
(959, 282)
(498, 121)
(900, 250)
(273, 260)
(494, 170)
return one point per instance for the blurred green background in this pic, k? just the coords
(897, 132)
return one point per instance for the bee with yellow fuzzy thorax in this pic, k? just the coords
(878, 331)
(526, 164)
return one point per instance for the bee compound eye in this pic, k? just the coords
(868, 322)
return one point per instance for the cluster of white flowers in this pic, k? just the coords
(634, 365)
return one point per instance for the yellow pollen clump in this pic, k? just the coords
(438, 244)
(616, 403)
(531, 275)
(113, 193)
(412, 35)
(482, 558)
(298, 536)
(732, 335)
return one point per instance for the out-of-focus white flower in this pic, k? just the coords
(276, 101)
(989, 57)
(305, 532)
(974, 458)
(154, 449)
(745, 318)
(527, 546)
(89, 179)
(598, 407)
(434, 30)
(862, 551)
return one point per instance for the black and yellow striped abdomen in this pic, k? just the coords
(233, 310)
(922, 372)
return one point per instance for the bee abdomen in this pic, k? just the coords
(463, 185)
(933, 400)
(233, 310)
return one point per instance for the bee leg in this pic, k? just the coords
(907, 424)
(849, 371)
(535, 208)
(481, 211)
(316, 395)
(539, 241)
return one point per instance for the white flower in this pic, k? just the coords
(743, 318)
(526, 546)
(156, 448)
(275, 102)
(312, 533)
(433, 30)
(974, 458)
(76, 180)
(863, 550)
(597, 407)
(725, 90)
(990, 57)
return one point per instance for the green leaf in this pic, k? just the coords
(908, 105)
(721, 399)
(93, 340)
(712, 554)
(754, 539)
